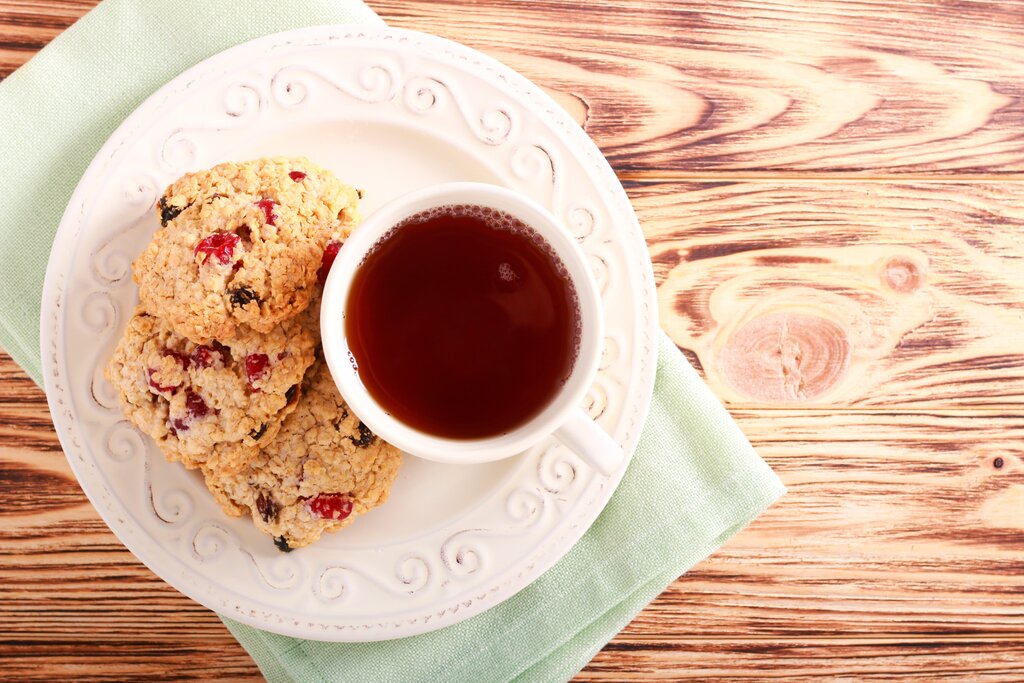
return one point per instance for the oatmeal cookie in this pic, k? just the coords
(323, 470)
(241, 245)
(210, 403)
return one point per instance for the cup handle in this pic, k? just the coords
(586, 439)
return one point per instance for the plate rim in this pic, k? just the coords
(52, 323)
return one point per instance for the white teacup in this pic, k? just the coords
(562, 416)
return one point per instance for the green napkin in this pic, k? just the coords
(693, 483)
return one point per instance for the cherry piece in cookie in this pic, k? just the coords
(204, 355)
(220, 245)
(330, 253)
(297, 176)
(162, 388)
(334, 506)
(196, 406)
(256, 367)
(267, 206)
(195, 409)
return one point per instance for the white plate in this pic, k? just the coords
(389, 111)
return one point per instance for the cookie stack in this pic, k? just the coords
(220, 363)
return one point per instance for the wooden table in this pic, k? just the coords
(833, 194)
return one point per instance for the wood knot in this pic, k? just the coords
(785, 357)
(902, 275)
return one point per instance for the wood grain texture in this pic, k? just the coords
(844, 293)
(751, 86)
(759, 85)
(895, 525)
(838, 660)
(832, 197)
(75, 604)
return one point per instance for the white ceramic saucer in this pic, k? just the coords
(389, 111)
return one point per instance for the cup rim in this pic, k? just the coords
(342, 364)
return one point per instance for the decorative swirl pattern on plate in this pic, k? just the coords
(496, 126)
(599, 267)
(596, 401)
(282, 573)
(581, 222)
(423, 94)
(241, 101)
(124, 441)
(411, 570)
(290, 86)
(99, 313)
(111, 264)
(414, 571)
(556, 469)
(211, 540)
(610, 351)
(332, 585)
(142, 192)
(101, 392)
(173, 507)
(178, 152)
(534, 163)
(463, 557)
(525, 505)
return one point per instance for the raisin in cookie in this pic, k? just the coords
(241, 244)
(323, 470)
(210, 403)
